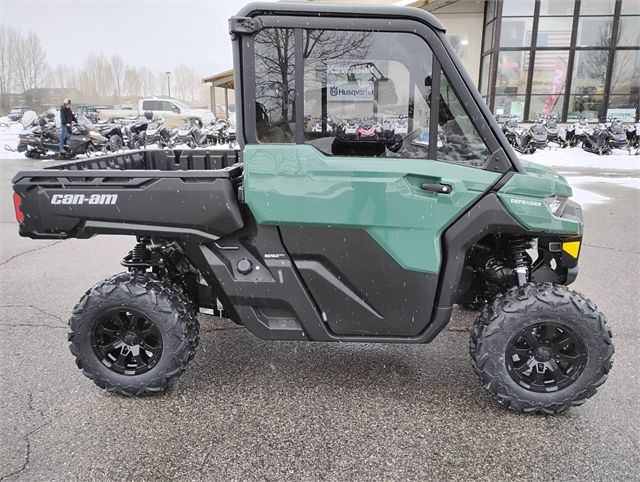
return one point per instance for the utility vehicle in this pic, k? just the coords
(302, 236)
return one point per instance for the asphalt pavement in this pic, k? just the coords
(248, 409)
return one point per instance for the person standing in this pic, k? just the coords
(66, 118)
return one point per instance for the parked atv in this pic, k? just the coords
(113, 132)
(299, 243)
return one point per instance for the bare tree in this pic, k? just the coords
(274, 53)
(132, 83)
(187, 83)
(7, 78)
(29, 61)
(149, 81)
(118, 71)
(64, 76)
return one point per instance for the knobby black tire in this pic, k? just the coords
(519, 307)
(158, 299)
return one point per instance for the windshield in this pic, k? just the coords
(84, 121)
(182, 105)
(29, 118)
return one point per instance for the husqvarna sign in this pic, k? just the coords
(350, 92)
(349, 81)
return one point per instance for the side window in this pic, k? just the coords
(459, 140)
(148, 105)
(275, 85)
(170, 107)
(365, 93)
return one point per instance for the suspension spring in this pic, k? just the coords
(521, 260)
(138, 258)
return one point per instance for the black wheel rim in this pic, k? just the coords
(126, 342)
(546, 357)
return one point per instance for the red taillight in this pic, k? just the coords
(17, 204)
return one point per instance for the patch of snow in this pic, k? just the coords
(577, 157)
(632, 182)
(586, 198)
(9, 137)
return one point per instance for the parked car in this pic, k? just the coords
(172, 111)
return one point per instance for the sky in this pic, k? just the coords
(158, 34)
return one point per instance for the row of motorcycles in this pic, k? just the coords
(599, 138)
(41, 135)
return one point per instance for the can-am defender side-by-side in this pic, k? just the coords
(306, 234)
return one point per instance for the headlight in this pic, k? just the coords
(556, 204)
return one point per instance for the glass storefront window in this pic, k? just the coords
(588, 106)
(554, 31)
(630, 7)
(484, 78)
(625, 77)
(597, 7)
(594, 31)
(545, 105)
(516, 32)
(589, 72)
(557, 7)
(509, 105)
(511, 77)
(491, 10)
(488, 37)
(624, 107)
(550, 72)
(629, 32)
(517, 8)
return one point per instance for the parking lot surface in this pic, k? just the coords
(249, 409)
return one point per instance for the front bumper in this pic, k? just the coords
(558, 255)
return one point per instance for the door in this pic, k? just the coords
(361, 171)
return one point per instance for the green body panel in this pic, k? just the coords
(299, 185)
(524, 197)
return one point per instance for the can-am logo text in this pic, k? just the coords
(84, 199)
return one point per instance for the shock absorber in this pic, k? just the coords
(138, 257)
(520, 259)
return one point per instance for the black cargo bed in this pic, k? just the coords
(171, 193)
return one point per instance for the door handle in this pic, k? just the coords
(437, 188)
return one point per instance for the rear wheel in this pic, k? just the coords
(133, 334)
(541, 348)
(115, 143)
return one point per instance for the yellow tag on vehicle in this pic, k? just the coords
(572, 247)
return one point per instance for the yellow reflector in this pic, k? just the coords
(572, 247)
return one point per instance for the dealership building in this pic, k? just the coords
(569, 58)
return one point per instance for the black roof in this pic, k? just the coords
(331, 10)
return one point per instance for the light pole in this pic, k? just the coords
(168, 74)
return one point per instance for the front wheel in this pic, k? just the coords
(541, 348)
(133, 334)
